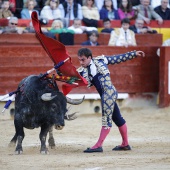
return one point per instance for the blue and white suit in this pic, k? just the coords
(101, 80)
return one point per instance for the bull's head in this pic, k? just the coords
(49, 96)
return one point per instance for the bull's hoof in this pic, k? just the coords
(52, 146)
(51, 143)
(19, 152)
(12, 144)
(44, 152)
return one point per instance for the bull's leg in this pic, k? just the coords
(13, 141)
(19, 149)
(19, 133)
(51, 140)
(43, 136)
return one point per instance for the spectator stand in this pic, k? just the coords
(161, 29)
(30, 39)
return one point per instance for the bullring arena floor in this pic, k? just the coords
(149, 136)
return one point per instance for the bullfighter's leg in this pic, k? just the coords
(51, 140)
(121, 124)
(19, 133)
(43, 135)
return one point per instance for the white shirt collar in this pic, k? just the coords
(93, 68)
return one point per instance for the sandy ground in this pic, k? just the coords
(149, 137)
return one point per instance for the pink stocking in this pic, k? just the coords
(104, 132)
(123, 132)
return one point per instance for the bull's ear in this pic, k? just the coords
(47, 96)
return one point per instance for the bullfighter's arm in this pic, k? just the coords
(116, 59)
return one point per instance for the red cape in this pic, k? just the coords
(57, 52)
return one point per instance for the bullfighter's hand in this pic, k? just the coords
(140, 53)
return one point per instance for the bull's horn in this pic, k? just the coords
(47, 96)
(75, 101)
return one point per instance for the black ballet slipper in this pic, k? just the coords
(122, 148)
(89, 150)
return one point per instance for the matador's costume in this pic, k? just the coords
(104, 86)
(97, 74)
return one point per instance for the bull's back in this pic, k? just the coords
(30, 106)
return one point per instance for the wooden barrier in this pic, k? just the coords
(30, 38)
(22, 55)
(136, 76)
(164, 77)
(26, 39)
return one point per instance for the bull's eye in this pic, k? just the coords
(53, 107)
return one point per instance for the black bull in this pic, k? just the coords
(39, 103)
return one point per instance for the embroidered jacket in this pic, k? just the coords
(101, 63)
(104, 86)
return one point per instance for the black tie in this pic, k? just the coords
(146, 12)
(125, 35)
(89, 72)
(69, 13)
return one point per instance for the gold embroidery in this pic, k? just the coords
(102, 79)
(101, 68)
(100, 57)
(109, 92)
(115, 96)
(104, 119)
(109, 102)
(104, 124)
(107, 78)
(100, 64)
(106, 83)
(80, 69)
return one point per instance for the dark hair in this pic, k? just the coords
(112, 7)
(129, 6)
(85, 51)
(85, 3)
(5, 1)
(93, 32)
(125, 20)
(106, 19)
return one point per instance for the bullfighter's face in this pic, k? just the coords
(84, 61)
